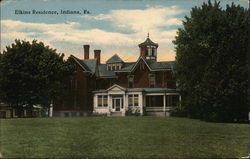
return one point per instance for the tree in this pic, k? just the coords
(212, 66)
(31, 73)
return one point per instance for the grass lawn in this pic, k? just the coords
(139, 137)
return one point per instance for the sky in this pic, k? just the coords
(113, 26)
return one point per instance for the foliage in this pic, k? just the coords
(178, 113)
(212, 66)
(31, 73)
(133, 111)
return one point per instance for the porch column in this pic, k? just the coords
(51, 110)
(109, 105)
(124, 104)
(140, 100)
(164, 104)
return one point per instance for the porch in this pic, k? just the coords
(118, 101)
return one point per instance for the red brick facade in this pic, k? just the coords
(86, 79)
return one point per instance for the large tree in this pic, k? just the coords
(31, 73)
(212, 64)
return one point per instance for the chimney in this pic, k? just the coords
(86, 52)
(143, 51)
(97, 56)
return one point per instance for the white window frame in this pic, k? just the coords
(133, 100)
(102, 104)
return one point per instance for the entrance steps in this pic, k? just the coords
(116, 113)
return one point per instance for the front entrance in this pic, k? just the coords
(117, 104)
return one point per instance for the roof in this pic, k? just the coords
(127, 66)
(88, 65)
(148, 42)
(147, 90)
(114, 59)
(91, 64)
(104, 73)
(154, 65)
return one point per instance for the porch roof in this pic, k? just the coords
(146, 90)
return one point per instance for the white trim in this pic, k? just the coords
(155, 94)
(135, 65)
(115, 85)
(79, 63)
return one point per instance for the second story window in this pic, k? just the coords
(151, 80)
(130, 81)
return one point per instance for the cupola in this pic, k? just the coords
(148, 49)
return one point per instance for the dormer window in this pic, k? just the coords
(114, 63)
(114, 66)
(109, 67)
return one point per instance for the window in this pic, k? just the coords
(153, 51)
(154, 101)
(113, 66)
(99, 101)
(133, 100)
(102, 101)
(130, 100)
(105, 101)
(151, 81)
(136, 100)
(148, 51)
(130, 81)
(109, 67)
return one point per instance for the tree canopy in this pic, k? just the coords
(31, 73)
(212, 64)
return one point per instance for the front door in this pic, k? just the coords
(117, 102)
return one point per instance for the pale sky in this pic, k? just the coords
(114, 26)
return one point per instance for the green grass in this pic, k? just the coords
(139, 137)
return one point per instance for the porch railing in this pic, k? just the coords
(160, 109)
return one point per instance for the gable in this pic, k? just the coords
(77, 61)
(141, 64)
(116, 88)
